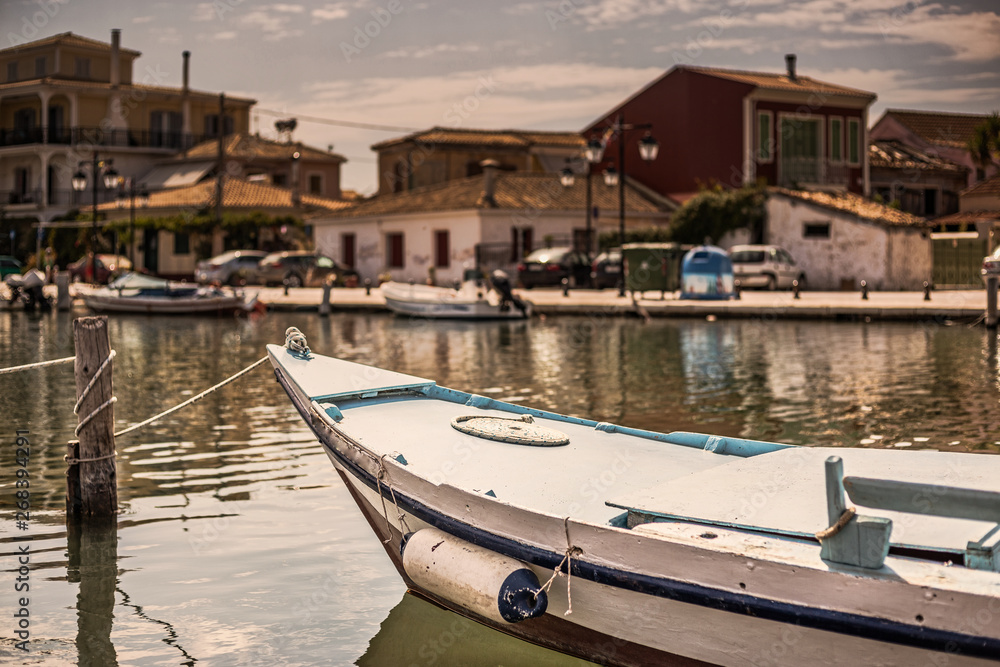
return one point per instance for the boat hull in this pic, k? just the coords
(164, 305)
(469, 303)
(632, 598)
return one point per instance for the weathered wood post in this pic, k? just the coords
(92, 548)
(991, 302)
(92, 478)
(63, 300)
(324, 305)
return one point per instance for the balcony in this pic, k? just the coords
(797, 172)
(13, 200)
(95, 136)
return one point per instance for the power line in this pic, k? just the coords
(342, 123)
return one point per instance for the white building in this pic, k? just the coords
(490, 220)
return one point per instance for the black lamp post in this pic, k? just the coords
(79, 182)
(135, 192)
(648, 150)
(592, 153)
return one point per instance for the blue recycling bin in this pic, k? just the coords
(707, 273)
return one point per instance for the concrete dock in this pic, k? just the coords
(943, 305)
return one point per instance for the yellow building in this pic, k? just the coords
(65, 98)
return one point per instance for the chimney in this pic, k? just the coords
(490, 169)
(790, 65)
(116, 38)
(186, 69)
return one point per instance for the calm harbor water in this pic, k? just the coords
(237, 544)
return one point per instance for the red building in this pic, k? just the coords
(734, 128)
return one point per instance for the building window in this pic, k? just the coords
(394, 250)
(836, 140)
(816, 230)
(212, 125)
(11, 71)
(521, 241)
(765, 143)
(315, 184)
(930, 202)
(853, 141)
(82, 68)
(40, 67)
(281, 180)
(442, 249)
(182, 243)
(348, 243)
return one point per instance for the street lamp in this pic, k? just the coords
(79, 182)
(135, 194)
(648, 150)
(592, 154)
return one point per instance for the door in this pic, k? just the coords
(150, 250)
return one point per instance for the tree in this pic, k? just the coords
(713, 212)
(985, 142)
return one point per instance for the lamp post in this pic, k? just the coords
(648, 150)
(79, 182)
(135, 192)
(592, 154)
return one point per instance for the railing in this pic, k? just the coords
(64, 197)
(95, 136)
(812, 171)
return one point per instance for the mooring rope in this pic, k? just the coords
(40, 364)
(193, 399)
(90, 385)
(568, 559)
(846, 516)
(404, 528)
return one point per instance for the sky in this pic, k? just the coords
(403, 65)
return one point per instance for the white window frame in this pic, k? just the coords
(770, 143)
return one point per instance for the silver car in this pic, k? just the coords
(236, 267)
(766, 266)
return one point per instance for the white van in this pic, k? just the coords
(766, 266)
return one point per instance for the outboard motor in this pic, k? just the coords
(501, 283)
(28, 289)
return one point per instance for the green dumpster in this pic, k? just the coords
(653, 266)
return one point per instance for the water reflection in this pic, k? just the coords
(93, 564)
(417, 632)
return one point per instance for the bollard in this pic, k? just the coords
(63, 300)
(927, 291)
(324, 305)
(285, 283)
(565, 286)
(368, 286)
(864, 290)
(991, 302)
(736, 288)
(91, 476)
(795, 288)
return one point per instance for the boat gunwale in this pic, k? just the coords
(840, 622)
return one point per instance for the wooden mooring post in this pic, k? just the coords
(91, 477)
(991, 302)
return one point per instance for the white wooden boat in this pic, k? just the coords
(680, 548)
(472, 300)
(137, 293)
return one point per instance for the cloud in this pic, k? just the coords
(970, 37)
(417, 53)
(226, 34)
(273, 21)
(332, 12)
(143, 19)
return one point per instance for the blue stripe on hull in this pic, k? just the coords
(846, 623)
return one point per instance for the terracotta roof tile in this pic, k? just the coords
(504, 138)
(254, 147)
(990, 186)
(75, 84)
(515, 191)
(855, 204)
(68, 39)
(943, 129)
(967, 217)
(894, 154)
(236, 193)
(780, 81)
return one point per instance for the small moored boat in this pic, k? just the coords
(473, 299)
(631, 547)
(138, 293)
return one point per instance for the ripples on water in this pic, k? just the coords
(237, 543)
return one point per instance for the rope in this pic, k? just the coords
(90, 385)
(568, 559)
(103, 406)
(39, 364)
(72, 461)
(295, 341)
(846, 516)
(193, 398)
(400, 516)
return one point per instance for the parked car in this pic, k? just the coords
(991, 264)
(236, 267)
(108, 268)
(606, 269)
(302, 268)
(8, 266)
(767, 266)
(548, 266)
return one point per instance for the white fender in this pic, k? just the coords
(484, 582)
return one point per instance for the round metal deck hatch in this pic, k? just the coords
(517, 430)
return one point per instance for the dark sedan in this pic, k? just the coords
(302, 268)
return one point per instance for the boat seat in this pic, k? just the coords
(783, 493)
